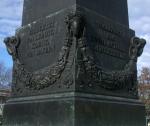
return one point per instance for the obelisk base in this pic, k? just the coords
(74, 109)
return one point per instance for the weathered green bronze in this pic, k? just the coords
(75, 64)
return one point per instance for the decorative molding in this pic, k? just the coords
(86, 70)
(88, 73)
(42, 78)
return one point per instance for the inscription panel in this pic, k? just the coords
(109, 42)
(41, 42)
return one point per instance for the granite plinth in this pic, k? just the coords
(74, 109)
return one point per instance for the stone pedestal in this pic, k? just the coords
(74, 65)
(74, 109)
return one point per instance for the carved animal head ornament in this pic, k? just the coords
(136, 47)
(12, 44)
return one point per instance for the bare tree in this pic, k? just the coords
(144, 77)
(144, 87)
(5, 76)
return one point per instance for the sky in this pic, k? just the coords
(139, 18)
(10, 19)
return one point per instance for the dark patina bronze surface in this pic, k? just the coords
(75, 64)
